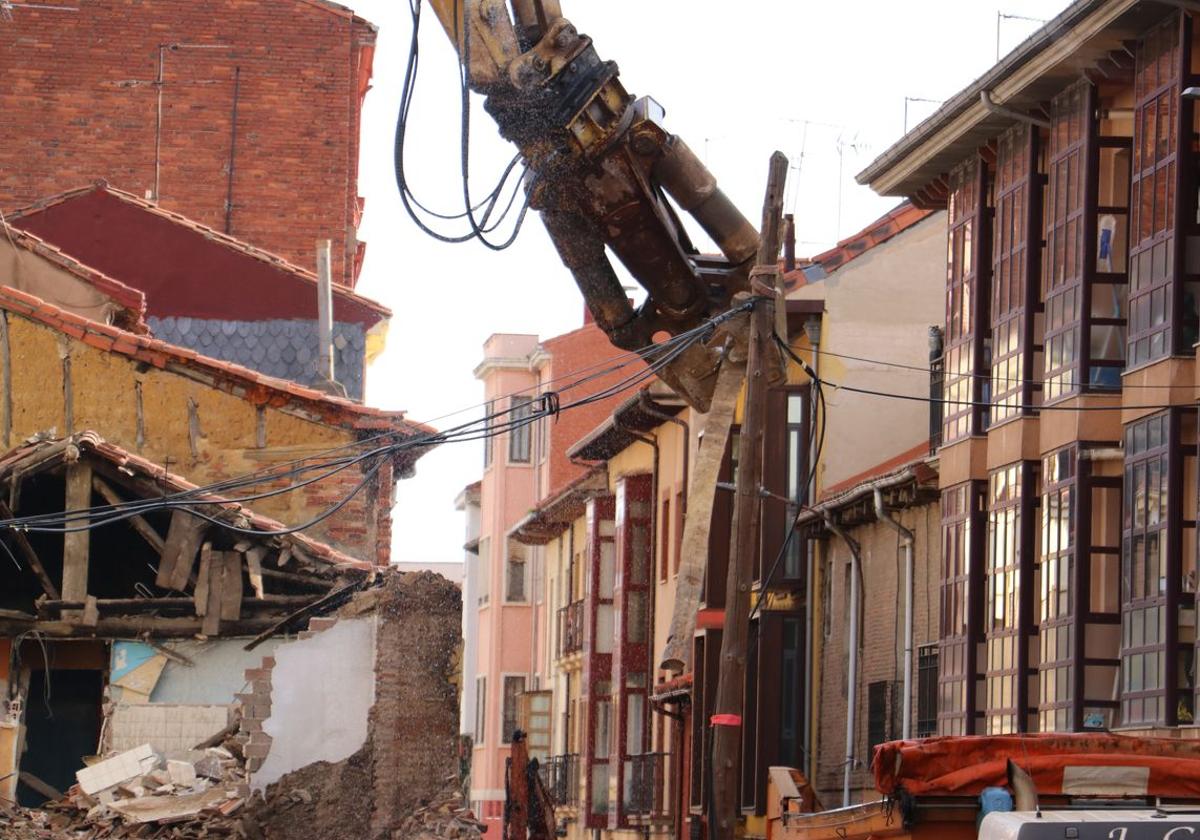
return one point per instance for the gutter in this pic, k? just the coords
(819, 511)
(961, 102)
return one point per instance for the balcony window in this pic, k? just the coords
(1014, 292)
(514, 687)
(1158, 595)
(966, 367)
(927, 691)
(1008, 621)
(516, 577)
(1164, 238)
(1056, 681)
(961, 604)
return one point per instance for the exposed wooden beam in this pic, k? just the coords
(29, 555)
(330, 601)
(139, 605)
(77, 540)
(138, 522)
(132, 627)
(179, 553)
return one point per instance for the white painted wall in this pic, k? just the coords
(322, 691)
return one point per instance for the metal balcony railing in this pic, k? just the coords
(560, 775)
(570, 629)
(648, 795)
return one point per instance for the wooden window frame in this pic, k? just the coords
(1009, 622)
(1155, 448)
(966, 368)
(1016, 255)
(961, 632)
(597, 667)
(520, 433)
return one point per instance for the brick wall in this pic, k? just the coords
(881, 654)
(81, 101)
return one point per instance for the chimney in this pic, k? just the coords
(325, 372)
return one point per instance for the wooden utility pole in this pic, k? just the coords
(727, 718)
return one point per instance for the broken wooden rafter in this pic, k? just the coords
(29, 555)
(125, 627)
(179, 552)
(149, 534)
(139, 605)
(331, 601)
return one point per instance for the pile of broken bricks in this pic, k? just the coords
(139, 793)
(443, 817)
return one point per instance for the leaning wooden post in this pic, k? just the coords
(726, 721)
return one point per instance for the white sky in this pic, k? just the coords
(738, 80)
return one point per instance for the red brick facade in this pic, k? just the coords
(82, 99)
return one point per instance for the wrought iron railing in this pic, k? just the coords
(570, 629)
(648, 794)
(560, 775)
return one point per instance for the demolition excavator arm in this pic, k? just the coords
(601, 165)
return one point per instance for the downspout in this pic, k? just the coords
(906, 537)
(647, 406)
(852, 670)
(993, 107)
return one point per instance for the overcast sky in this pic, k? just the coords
(824, 82)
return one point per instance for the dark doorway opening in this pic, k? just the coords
(62, 725)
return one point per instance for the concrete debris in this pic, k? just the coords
(444, 816)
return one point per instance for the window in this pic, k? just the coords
(797, 479)
(1144, 570)
(514, 687)
(489, 424)
(927, 690)
(515, 574)
(1155, 315)
(1014, 292)
(966, 307)
(1066, 220)
(962, 549)
(1007, 622)
(519, 430)
(485, 570)
(664, 540)
(480, 710)
(679, 523)
(1057, 629)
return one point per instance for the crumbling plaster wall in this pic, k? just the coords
(322, 691)
(206, 434)
(409, 748)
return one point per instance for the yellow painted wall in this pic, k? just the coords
(103, 389)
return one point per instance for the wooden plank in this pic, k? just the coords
(30, 556)
(201, 593)
(91, 612)
(331, 601)
(254, 569)
(677, 654)
(77, 541)
(135, 627)
(231, 586)
(139, 523)
(179, 553)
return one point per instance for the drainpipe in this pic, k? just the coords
(647, 406)
(906, 538)
(852, 690)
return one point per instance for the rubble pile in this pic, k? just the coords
(444, 817)
(141, 794)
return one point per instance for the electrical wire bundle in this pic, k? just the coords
(479, 227)
(304, 472)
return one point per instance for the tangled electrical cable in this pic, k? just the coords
(514, 417)
(481, 227)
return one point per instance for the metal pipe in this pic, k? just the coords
(985, 97)
(906, 538)
(325, 310)
(852, 675)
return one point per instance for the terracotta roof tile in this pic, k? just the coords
(235, 379)
(894, 222)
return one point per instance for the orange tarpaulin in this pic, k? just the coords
(964, 766)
